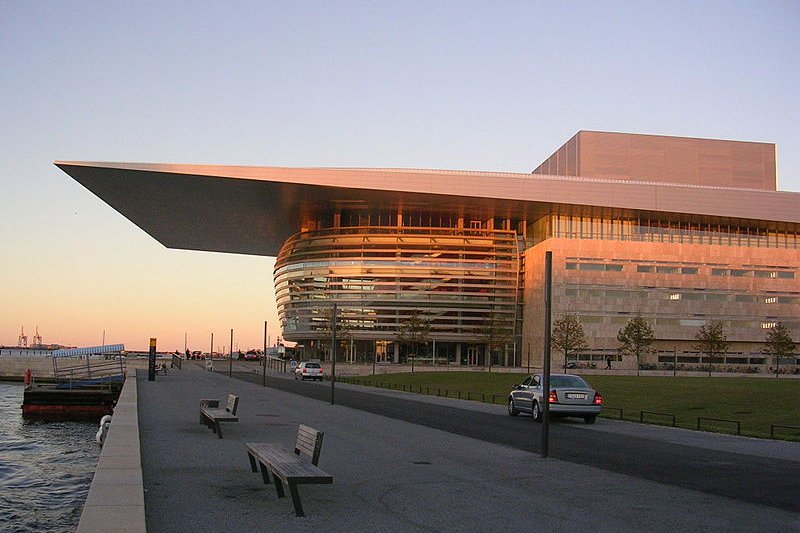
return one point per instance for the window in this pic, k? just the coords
(692, 322)
(645, 268)
(572, 266)
(768, 325)
(771, 300)
(599, 266)
(667, 270)
(689, 270)
(675, 296)
(786, 275)
(719, 271)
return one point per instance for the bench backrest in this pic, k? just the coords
(309, 443)
(233, 404)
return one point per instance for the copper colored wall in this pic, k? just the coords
(593, 154)
(613, 312)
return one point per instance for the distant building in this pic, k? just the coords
(683, 231)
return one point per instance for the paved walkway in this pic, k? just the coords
(390, 475)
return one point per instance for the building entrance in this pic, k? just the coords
(381, 351)
(472, 356)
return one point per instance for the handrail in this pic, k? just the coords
(641, 415)
(97, 370)
(275, 363)
(738, 424)
(773, 426)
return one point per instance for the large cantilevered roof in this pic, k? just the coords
(253, 210)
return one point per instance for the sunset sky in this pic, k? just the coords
(463, 85)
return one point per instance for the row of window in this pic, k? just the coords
(703, 296)
(685, 322)
(645, 229)
(665, 269)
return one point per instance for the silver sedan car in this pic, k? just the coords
(569, 396)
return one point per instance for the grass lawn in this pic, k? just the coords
(754, 402)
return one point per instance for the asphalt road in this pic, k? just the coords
(752, 479)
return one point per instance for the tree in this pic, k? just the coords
(711, 341)
(779, 344)
(495, 332)
(568, 337)
(636, 338)
(343, 328)
(414, 330)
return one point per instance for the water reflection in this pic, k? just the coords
(45, 468)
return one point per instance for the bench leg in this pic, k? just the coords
(218, 429)
(265, 473)
(278, 486)
(298, 507)
(253, 466)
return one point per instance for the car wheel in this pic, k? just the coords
(536, 413)
(511, 410)
(590, 419)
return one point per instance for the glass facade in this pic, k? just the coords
(653, 229)
(380, 275)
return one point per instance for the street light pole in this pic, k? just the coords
(264, 362)
(333, 352)
(230, 358)
(548, 306)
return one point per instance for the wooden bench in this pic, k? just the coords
(211, 414)
(293, 468)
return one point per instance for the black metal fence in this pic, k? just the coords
(647, 417)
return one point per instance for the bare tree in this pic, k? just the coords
(344, 331)
(636, 338)
(779, 344)
(414, 330)
(568, 337)
(496, 332)
(711, 341)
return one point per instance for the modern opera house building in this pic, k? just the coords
(682, 231)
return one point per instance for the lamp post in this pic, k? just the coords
(264, 369)
(548, 284)
(333, 352)
(230, 358)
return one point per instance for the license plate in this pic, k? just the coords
(576, 396)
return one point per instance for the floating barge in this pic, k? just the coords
(86, 391)
(85, 403)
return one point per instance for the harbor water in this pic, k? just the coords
(46, 468)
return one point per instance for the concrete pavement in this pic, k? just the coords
(391, 475)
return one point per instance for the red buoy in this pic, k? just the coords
(28, 377)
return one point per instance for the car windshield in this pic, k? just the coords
(567, 381)
(312, 365)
